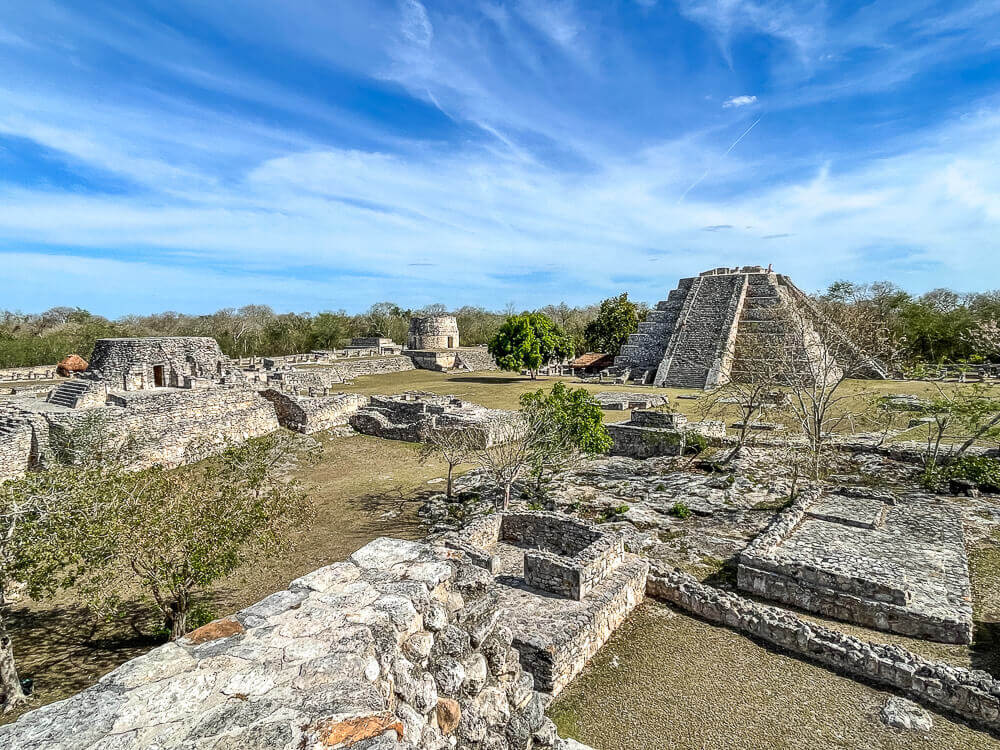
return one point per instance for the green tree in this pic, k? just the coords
(567, 424)
(42, 516)
(529, 341)
(174, 533)
(616, 320)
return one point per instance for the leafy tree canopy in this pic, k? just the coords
(616, 320)
(529, 341)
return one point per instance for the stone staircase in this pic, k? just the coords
(642, 354)
(70, 393)
(695, 352)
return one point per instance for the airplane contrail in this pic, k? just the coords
(731, 147)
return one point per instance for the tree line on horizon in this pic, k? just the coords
(940, 326)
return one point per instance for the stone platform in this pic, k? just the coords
(567, 585)
(900, 568)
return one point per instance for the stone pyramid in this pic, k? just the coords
(688, 340)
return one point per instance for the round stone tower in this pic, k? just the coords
(433, 332)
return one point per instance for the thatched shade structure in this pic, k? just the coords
(72, 363)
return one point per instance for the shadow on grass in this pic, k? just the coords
(494, 381)
(984, 653)
(64, 648)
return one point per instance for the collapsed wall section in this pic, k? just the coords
(400, 647)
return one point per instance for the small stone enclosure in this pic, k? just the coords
(568, 585)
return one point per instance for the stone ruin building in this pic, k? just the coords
(414, 415)
(689, 339)
(433, 332)
(567, 584)
(173, 400)
(652, 433)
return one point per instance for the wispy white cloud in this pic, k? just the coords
(739, 101)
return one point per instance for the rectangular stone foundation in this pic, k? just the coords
(898, 568)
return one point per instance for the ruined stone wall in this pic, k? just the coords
(433, 332)
(850, 595)
(433, 360)
(973, 694)
(343, 371)
(15, 448)
(177, 427)
(401, 647)
(309, 414)
(475, 360)
(128, 364)
(40, 372)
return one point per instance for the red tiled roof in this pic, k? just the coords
(589, 359)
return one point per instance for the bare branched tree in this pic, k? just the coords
(452, 446)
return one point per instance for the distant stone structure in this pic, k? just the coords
(160, 362)
(857, 555)
(413, 415)
(656, 433)
(689, 339)
(567, 584)
(401, 647)
(433, 332)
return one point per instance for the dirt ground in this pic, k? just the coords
(666, 680)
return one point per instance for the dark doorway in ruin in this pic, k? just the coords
(158, 381)
(451, 342)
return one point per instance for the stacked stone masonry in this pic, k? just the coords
(414, 415)
(690, 339)
(568, 585)
(15, 447)
(972, 694)
(160, 362)
(857, 556)
(173, 427)
(402, 647)
(433, 332)
(309, 414)
(654, 433)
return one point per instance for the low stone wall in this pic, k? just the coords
(15, 448)
(309, 414)
(375, 366)
(175, 427)
(475, 360)
(972, 694)
(17, 374)
(399, 648)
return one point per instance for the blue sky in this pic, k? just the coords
(325, 154)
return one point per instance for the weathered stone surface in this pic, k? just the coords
(903, 714)
(213, 631)
(899, 567)
(322, 665)
(449, 713)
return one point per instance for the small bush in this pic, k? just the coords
(680, 510)
(982, 470)
(534, 505)
(695, 442)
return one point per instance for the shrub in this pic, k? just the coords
(680, 510)
(982, 470)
